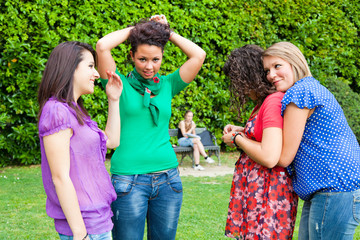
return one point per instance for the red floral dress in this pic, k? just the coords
(263, 204)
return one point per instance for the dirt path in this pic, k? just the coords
(211, 171)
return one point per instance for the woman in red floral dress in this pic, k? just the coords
(263, 204)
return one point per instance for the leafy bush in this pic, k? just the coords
(326, 31)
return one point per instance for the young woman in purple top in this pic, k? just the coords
(77, 184)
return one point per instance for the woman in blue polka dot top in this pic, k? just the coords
(319, 149)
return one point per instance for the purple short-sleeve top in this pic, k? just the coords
(87, 169)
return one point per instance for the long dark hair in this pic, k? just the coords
(245, 69)
(149, 32)
(58, 77)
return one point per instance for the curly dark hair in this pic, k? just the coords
(149, 32)
(245, 69)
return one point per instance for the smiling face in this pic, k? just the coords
(85, 75)
(147, 59)
(279, 72)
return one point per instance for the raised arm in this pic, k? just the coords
(196, 54)
(104, 47)
(114, 89)
(57, 149)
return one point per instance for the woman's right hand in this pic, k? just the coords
(114, 86)
(159, 18)
(232, 128)
(81, 236)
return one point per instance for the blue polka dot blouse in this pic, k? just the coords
(328, 159)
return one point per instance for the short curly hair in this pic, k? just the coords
(149, 32)
(245, 69)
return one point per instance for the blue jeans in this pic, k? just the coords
(103, 236)
(332, 215)
(155, 197)
(185, 142)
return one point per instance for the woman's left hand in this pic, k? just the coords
(159, 18)
(227, 139)
(114, 86)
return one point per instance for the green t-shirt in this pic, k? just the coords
(145, 147)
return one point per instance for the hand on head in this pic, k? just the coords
(159, 18)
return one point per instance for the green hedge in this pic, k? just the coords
(326, 31)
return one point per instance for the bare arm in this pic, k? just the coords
(193, 126)
(182, 128)
(104, 47)
(57, 149)
(267, 152)
(294, 126)
(195, 53)
(113, 91)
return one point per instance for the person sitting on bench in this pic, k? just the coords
(186, 136)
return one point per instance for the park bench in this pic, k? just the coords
(210, 146)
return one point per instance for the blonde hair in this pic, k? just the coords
(292, 54)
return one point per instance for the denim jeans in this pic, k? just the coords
(185, 142)
(102, 236)
(155, 197)
(332, 215)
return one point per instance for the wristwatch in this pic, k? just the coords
(233, 139)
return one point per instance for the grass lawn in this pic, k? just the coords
(203, 214)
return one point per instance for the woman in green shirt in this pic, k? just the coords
(144, 166)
